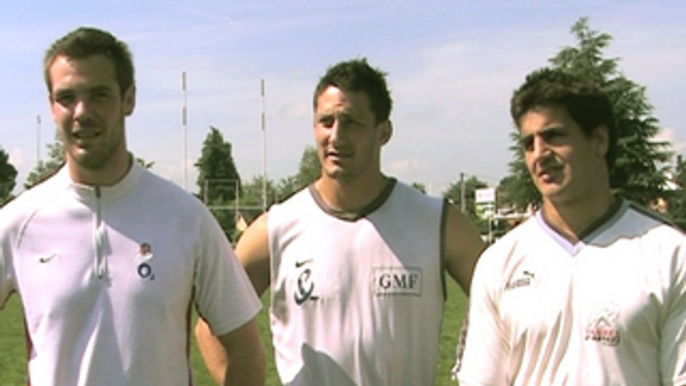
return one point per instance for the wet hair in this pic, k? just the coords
(583, 100)
(85, 42)
(358, 76)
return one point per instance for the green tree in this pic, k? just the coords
(517, 190)
(454, 195)
(144, 163)
(286, 187)
(45, 169)
(419, 186)
(677, 199)
(638, 173)
(218, 181)
(251, 193)
(308, 171)
(310, 168)
(8, 177)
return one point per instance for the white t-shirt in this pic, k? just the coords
(610, 310)
(357, 300)
(108, 278)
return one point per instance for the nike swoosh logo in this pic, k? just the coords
(299, 264)
(46, 258)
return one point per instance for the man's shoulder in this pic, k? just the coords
(522, 235)
(295, 200)
(412, 199)
(638, 221)
(161, 189)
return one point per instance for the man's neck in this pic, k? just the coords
(573, 219)
(108, 175)
(350, 196)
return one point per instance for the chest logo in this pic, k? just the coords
(304, 286)
(602, 327)
(523, 280)
(144, 258)
(391, 281)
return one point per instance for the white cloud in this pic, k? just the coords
(670, 135)
(408, 168)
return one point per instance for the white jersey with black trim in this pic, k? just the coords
(108, 277)
(609, 310)
(357, 301)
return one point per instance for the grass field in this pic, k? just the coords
(13, 347)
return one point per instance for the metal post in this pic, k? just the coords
(184, 123)
(264, 148)
(463, 195)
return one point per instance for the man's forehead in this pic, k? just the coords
(334, 100)
(95, 71)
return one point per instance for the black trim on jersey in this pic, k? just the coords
(652, 214)
(354, 216)
(602, 220)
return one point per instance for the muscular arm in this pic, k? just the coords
(252, 251)
(463, 246)
(242, 356)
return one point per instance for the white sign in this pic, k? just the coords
(485, 196)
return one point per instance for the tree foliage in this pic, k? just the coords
(419, 186)
(8, 177)
(218, 180)
(638, 172)
(677, 198)
(310, 168)
(251, 193)
(308, 171)
(517, 190)
(145, 164)
(454, 195)
(45, 169)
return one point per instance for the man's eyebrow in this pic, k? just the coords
(100, 87)
(524, 138)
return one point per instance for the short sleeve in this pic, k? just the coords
(673, 334)
(485, 354)
(225, 297)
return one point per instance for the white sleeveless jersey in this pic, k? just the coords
(357, 301)
(609, 310)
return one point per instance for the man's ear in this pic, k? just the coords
(129, 100)
(385, 131)
(601, 137)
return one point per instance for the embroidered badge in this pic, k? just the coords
(304, 290)
(602, 327)
(144, 262)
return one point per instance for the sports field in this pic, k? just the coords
(13, 349)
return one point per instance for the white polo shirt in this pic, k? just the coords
(108, 278)
(610, 310)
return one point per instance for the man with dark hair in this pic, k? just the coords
(592, 289)
(355, 262)
(108, 258)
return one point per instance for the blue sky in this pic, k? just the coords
(452, 66)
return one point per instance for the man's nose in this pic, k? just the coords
(540, 147)
(80, 108)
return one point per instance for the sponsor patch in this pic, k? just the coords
(144, 258)
(397, 281)
(603, 326)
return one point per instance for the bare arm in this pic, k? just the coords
(252, 251)
(463, 245)
(245, 359)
